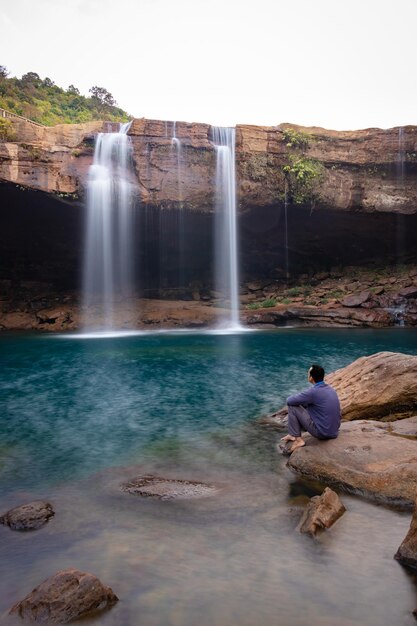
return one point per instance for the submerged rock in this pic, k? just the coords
(321, 513)
(167, 488)
(28, 516)
(368, 457)
(67, 595)
(407, 552)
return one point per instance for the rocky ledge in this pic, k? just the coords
(376, 460)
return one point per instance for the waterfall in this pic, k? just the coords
(108, 259)
(226, 251)
(400, 171)
(177, 149)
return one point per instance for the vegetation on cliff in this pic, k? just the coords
(44, 102)
(303, 175)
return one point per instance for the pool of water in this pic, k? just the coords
(80, 416)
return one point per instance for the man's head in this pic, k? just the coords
(316, 374)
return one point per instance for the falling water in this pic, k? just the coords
(400, 169)
(226, 252)
(108, 262)
(177, 148)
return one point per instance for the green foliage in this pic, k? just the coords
(296, 139)
(6, 130)
(265, 304)
(335, 293)
(303, 177)
(44, 102)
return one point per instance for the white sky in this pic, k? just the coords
(341, 64)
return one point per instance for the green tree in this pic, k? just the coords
(102, 97)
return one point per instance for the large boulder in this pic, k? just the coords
(29, 516)
(64, 597)
(368, 458)
(380, 386)
(321, 513)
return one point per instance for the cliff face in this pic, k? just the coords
(367, 171)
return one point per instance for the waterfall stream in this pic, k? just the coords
(226, 252)
(108, 260)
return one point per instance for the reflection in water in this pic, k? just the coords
(80, 417)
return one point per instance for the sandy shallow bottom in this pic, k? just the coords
(231, 558)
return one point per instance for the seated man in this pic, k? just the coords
(315, 410)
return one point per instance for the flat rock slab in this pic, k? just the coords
(321, 513)
(167, 488)
(368, 458)
(66, 596)
(29, 516)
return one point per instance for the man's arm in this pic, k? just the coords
(304, 398)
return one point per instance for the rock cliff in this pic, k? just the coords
(368, 171)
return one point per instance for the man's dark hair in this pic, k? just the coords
(317, 373)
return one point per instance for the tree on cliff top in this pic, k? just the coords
(44, 102)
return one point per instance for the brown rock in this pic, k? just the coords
(380, 386)
(407, 552)
(356, 299)
(409, 292)
(377, 386)
(64, 597)
(321, 513)
(167, 488)
(367, 458)
(28, 516)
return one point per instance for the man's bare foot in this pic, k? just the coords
(288, 438)
(298, 443)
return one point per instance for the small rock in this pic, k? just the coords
(321, 513)
(28, 516)
(378, 291)
(408, 292)
(407, 552)
(67, 595)
(356, 299)
(167, 488)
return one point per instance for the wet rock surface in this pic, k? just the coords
(167, 488)
(321, 513)
(368, 458)
(29, 516)
(66, 596)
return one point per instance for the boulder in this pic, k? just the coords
(321, 513)
(408, 292)
(380, 386)
(407, 552)
(167, 488)
(368, 458)
(356, 299)
(29, 516)
(66, 596)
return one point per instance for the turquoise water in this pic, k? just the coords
(79, 416)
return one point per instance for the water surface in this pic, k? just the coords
(80, 416)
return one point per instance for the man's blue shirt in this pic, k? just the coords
(323, 405)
